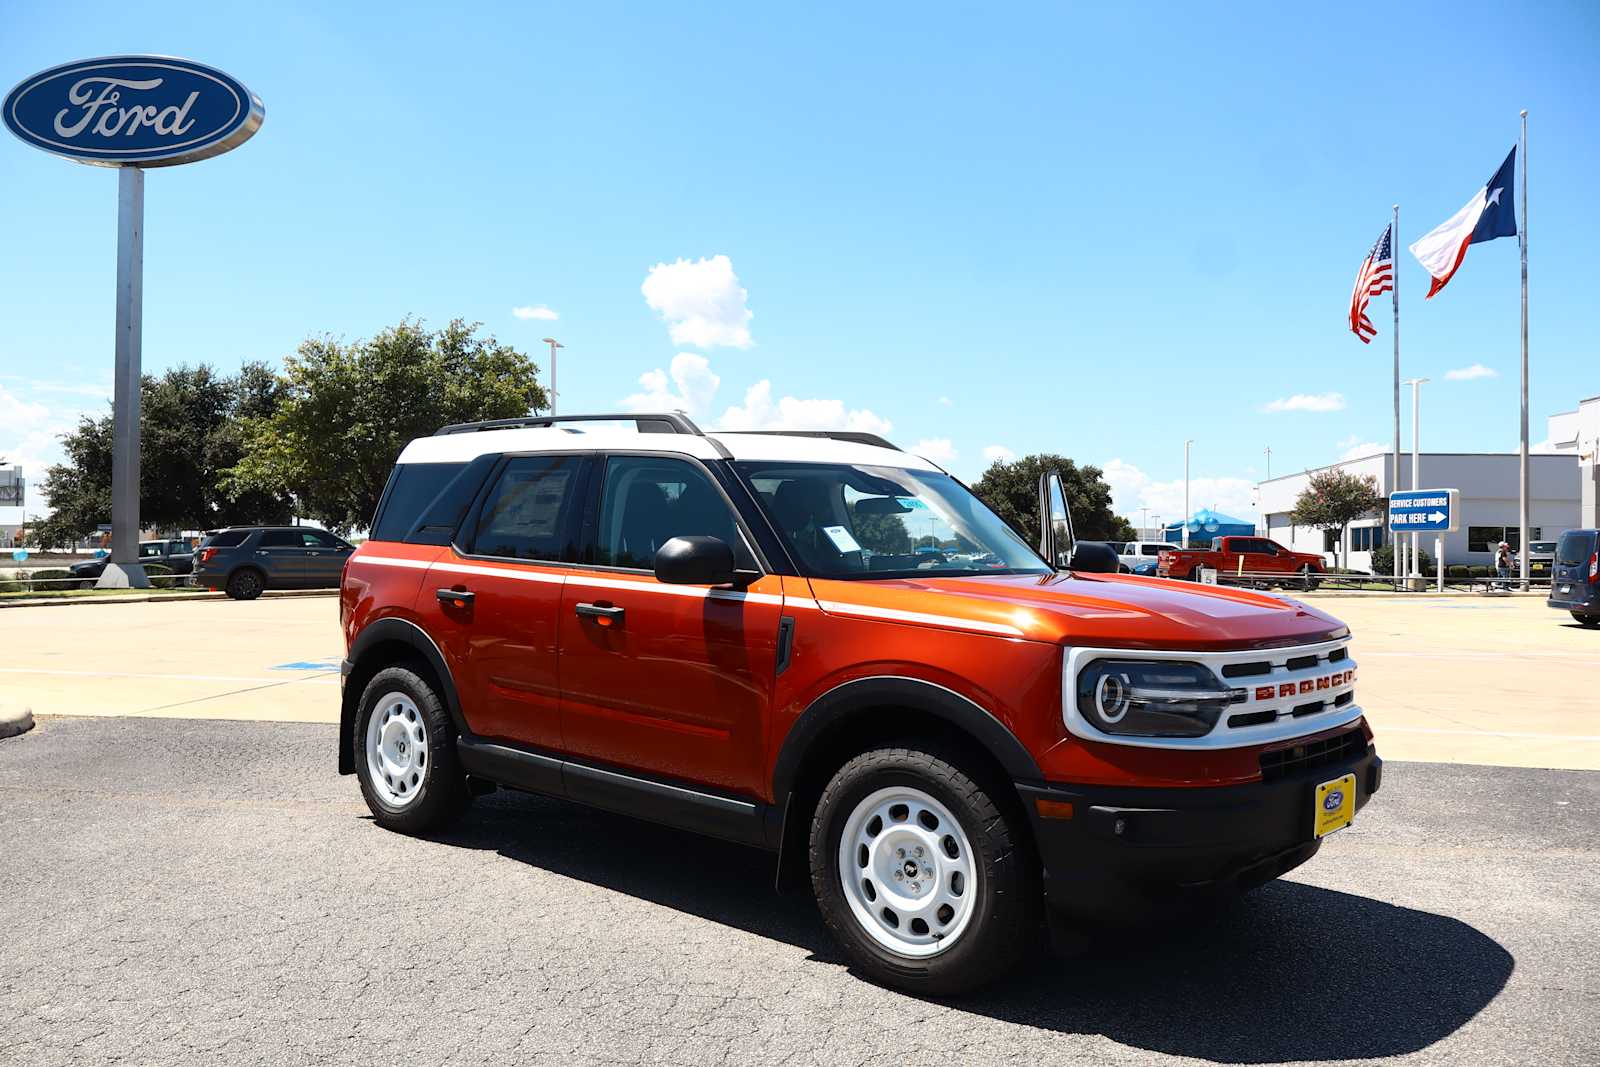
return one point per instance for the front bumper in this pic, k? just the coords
(1124, 851)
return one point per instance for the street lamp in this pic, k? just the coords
(554, 344)
(1186, 511)
(1416, 460)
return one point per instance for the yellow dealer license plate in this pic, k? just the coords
(1336, 805)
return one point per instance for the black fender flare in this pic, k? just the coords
(388, 631)
(848, 700)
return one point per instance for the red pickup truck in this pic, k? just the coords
(1241, 556)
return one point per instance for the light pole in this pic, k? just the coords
(1186, 511)
(1416, 460)
(554, 344)
(1144, 523)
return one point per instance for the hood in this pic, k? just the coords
(1121, 611)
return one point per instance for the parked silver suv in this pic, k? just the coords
(246, 560)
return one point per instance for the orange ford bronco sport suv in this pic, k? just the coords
(823, 646)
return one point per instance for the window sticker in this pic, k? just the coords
(841, 539)
(911, 502)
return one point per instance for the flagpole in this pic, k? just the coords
(1394, 291)
(1523, 454)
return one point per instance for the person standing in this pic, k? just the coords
(1502, 561)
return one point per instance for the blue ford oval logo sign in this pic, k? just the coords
(1334, 800)
(145, 111)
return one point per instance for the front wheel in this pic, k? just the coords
(1590, 621)
(928, 882)
(405, 754)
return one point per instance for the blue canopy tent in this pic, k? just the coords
(1206, 524)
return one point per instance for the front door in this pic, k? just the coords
(491, 599)
(325, 557)
(672, 680)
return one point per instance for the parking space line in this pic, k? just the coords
(1485, 733)
(153, 675)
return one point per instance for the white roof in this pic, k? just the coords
(461, 447)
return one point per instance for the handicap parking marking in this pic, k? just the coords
(308, 665)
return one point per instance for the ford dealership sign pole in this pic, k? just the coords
(131, 112)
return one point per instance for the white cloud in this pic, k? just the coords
(1307, 402)
(691, 388)
(760, 412)
(1467, 374)
(1360, 448)
(536, 311)
(30, 433)
(1132, 489)
(701, 302)
(938, 449)
(998, 454)
(946, 402)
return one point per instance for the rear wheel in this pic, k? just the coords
(246, 584)
(928, 883)
(1308, 578)
(1591, 621)
(405, 754)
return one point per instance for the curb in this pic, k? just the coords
(156, 598)
(14, 720)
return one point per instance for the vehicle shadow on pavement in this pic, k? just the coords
(1290, 972)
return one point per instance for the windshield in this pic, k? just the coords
(847, 521)
(1542, 548)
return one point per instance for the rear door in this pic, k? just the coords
(492, 599)
(1570, 583)
(672, 680)
(281, 554)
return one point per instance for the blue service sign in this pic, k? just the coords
(145, 111)
(20, 555)
(1424, 510)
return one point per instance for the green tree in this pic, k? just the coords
(1333, 499)
(347, 411)
(884, 534)
(189, 422)
(1012, 491)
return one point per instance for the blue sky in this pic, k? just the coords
(1075, 229)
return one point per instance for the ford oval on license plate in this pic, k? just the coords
(1335, 805)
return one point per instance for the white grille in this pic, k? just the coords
(1312, 689)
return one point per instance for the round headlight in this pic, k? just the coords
(1151, 698)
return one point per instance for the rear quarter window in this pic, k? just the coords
(411, 489)
(226, 539)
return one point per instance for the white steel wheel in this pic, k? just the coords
(397, 750)
(908, 872)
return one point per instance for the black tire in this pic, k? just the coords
(1589, 621)
(246, 583)
(1308, 578)
(1005, 918)
(441, 795)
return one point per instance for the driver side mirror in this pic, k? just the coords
(1094, 557)
(696, 560)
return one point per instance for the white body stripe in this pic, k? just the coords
(896, 615)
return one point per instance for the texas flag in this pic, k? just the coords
(1488, 215)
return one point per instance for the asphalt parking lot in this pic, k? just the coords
(184, 879)
(201, 892)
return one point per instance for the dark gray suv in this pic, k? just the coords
(245, 560)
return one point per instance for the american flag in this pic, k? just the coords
(1375, 276)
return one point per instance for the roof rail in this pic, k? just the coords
(671, 422)
(853, 436)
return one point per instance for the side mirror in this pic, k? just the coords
(695, 560)
(1093, 557)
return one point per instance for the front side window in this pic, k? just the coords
(528, 512)
(854, 521)
(149, 550)
(649, 500)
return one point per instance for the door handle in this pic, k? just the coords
(603, 614)
(454, 598)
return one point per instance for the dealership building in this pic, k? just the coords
(1562, 494)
